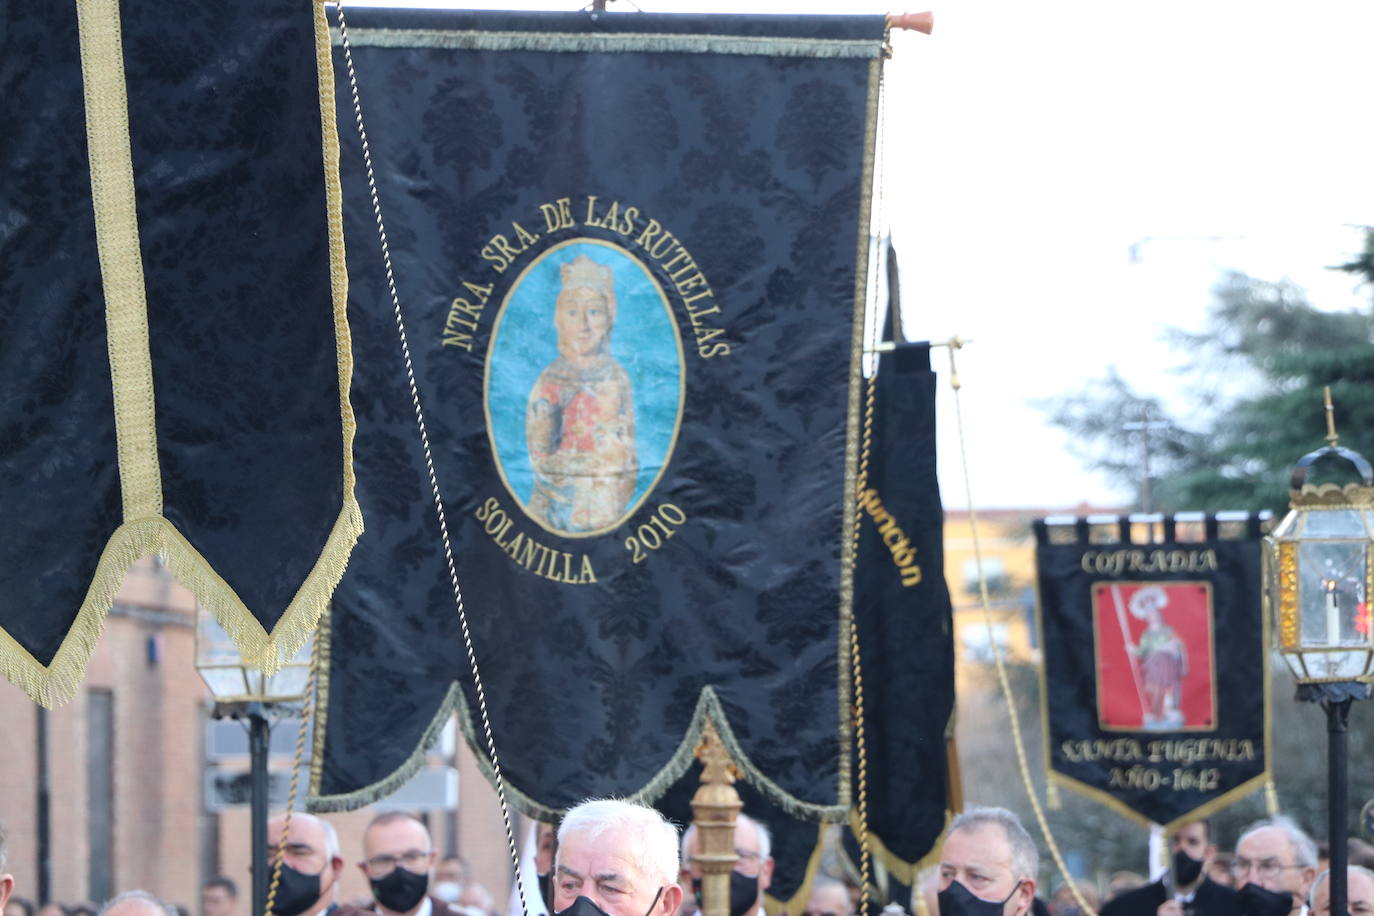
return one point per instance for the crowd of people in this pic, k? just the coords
(615, 858)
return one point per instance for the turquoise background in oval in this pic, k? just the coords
(644, 341)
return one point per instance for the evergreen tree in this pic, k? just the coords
(1235, 451)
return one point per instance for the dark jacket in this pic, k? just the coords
(1210, 899)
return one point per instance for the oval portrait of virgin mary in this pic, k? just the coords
(584, 387)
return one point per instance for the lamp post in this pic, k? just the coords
(1319, 581)
(243, 692)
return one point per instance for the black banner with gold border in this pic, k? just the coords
(175, 361)
(1155, 673)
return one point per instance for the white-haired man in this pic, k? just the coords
(136, 903)
(753, 872)
(828, 898)
(1359, 893)
(311, 866)
(1275, 865)
(618, 859)
(988, 865)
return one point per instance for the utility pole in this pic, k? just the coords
(1143, 426)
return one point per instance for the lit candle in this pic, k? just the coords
(1333, 615)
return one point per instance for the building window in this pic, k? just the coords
(993, 570)
(978, 647)
(100, 793)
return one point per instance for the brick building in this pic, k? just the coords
(127, 772)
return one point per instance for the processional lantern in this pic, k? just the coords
(1320, 560)
(1318, 586)
(233, 680)
(244, 691)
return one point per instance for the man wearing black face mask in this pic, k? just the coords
(1185, 890)
(311, 866)
(753, 871)
(1274, 867)
(398, 861)
(615, 858)
(988, 865)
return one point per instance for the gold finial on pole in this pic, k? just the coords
(714, 807)
(1331, 437)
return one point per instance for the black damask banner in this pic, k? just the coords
(174, 363)
(902, 609)
(1155, 666)
(903, 612)
(628, 249)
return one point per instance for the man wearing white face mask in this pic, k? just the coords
(988, 865)
(449, 877)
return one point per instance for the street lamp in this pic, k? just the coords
(1319, 581)
(243, 692)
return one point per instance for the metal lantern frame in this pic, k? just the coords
(1319, 568)
(243, 691)
(1320, 575)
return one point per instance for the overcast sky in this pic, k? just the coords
(1031, 145)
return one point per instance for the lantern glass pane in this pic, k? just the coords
(213, 645)
(1337, 523)
(287, 684)
(225, 683)
(1332, 576)
(1285, 528)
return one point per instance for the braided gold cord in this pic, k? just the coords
(860, 744)
(986, 601)
(871, 334)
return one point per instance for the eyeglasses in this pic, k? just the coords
(1265, 868)
(748, 863)
(412, 859)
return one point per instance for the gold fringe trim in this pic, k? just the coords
(904, 871)
(145, 531)
(708, 707)
(1226, 799)
(58, 682)
(625, 42)
(852, 442)
(114, 204)
(55, 684)
(797, 902)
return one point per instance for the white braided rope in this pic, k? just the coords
(429, 458)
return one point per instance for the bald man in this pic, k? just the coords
(753, 872)
(311, 866)
(398, 862)
(828, 898)
(1359, 892)
(136, 903)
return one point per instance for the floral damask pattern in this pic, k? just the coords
(743, 596)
